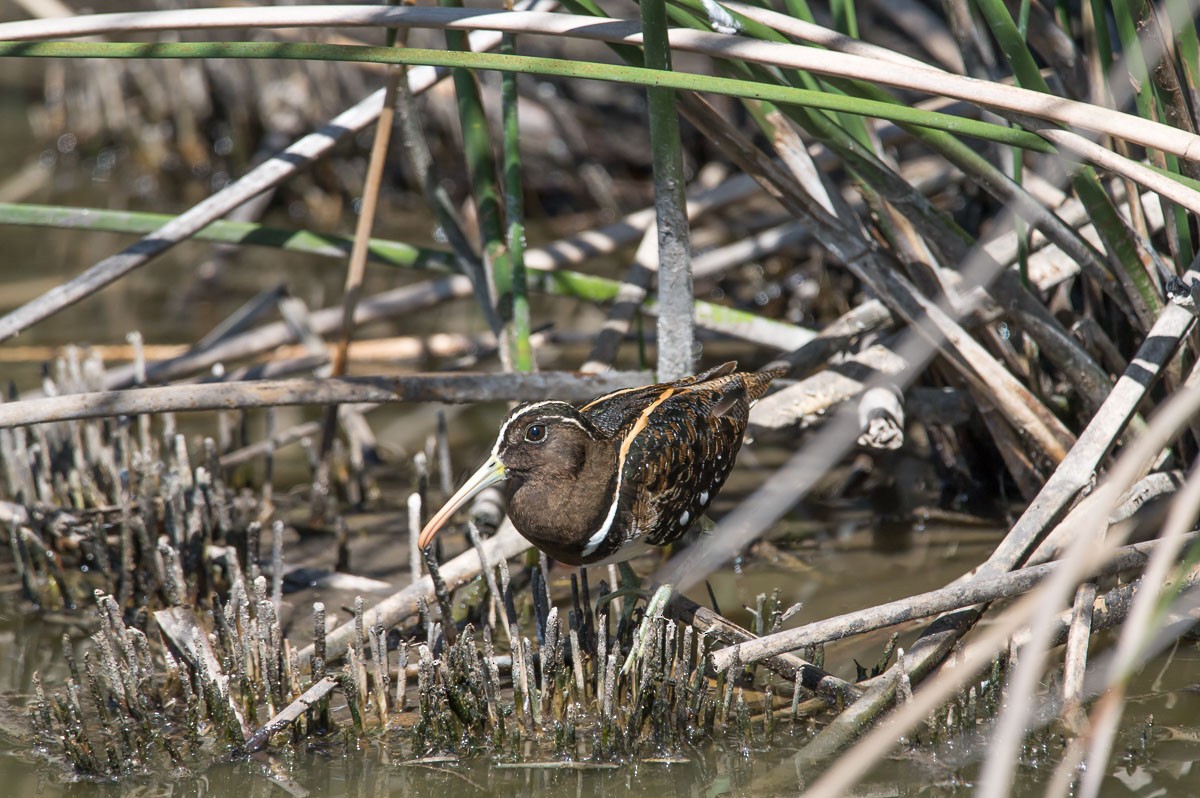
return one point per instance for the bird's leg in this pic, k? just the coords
(629, 578)
(654, 609)
(628, 584)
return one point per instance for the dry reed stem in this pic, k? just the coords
(802, 404)
(290, 714)
(922, 605)
(1048, 437)
(1075, 659)
(1137, 633)
(1098, 438)
(346, 390)
(935, 643)
(356, 266)
(1086, 554)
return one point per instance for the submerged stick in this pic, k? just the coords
(181, 627)
(290, 714)
(788, 666)
(402, 605)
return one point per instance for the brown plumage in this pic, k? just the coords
(630, 469)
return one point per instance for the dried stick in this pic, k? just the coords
(1078, 468)
(346, 390)
(1080, 632)
(1024, 411)
(356, 267)
(1085, 555)
(808, 400)
(789, 666)
(923, 605)
(387, 304)
(838, 336)
(190, 640)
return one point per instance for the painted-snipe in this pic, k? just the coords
(631, 469)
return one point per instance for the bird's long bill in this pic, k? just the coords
(489, 473)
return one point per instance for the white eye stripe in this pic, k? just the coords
(524, 411)
(564, 420)
(508, 422)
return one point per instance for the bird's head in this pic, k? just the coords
(544, 441)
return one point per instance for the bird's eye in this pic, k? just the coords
(535, 433)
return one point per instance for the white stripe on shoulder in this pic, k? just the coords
(596, 539)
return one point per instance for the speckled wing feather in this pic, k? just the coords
(679, 460)
(615, 413)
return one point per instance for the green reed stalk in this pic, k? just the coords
(485, 189)
(514, 208)
(676, 327)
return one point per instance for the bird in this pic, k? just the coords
(626, 472)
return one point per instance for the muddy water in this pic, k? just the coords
(833, 560)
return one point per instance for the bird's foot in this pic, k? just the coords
(654, 609)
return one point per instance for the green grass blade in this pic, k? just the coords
(485, 191)
(586, 70)
(394, 253)
(563, 282)
(1118, 239)
(519, 347)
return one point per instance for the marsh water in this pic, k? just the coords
(829, 555)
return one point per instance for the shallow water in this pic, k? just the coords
(1154, 754)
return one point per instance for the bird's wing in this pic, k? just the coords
(681, 458)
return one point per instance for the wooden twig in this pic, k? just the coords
(357, 264)
(387, 304)
(924, 605)
(1078, 468)
(932, 647)
(1078, 637)
(189, 639)
(802, 404)
(290, 714)
(1021, 408)
(347, 390)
